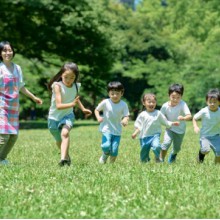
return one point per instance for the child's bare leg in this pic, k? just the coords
(163, 154)
(65, 143)
(112, 159)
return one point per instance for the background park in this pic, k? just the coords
(147, 46)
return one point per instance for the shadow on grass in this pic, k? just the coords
(43, 124)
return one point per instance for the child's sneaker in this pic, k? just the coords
(68, 161)
(63, 163)
(172, 158)
(161, 160)
(4, 162)
(200, 157)
(158, 160)
(103, 158)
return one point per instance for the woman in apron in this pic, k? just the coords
(11, 82)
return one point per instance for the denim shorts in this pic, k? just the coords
(55, 127)
(110, 144)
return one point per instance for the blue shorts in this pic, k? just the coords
(110, 144)
(208, 143)
(55, 127)
(147, 143)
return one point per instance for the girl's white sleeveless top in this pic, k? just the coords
(67, 96)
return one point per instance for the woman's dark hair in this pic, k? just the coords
(67, 66)
(2, 46)
(115, 85)
(176, 88)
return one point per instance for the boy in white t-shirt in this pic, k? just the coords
(115, 114)
(210, 130)
(148, 124)
(174, 109)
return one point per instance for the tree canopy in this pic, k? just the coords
(146, 49)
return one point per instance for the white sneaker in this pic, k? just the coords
(103, 158)
(159, 160)
(4, 162)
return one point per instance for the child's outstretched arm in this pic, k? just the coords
(125, 120)
(86, 111)
(195, 125)
(98, 117)
(26, 92)
(185, 118)
(134, 135)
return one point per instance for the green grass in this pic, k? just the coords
(33, 186)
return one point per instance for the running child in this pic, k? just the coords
(64, 88)
(175, 109)
(148, 124)
(115, 115)
(210, 130)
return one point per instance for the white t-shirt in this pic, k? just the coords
(210, 122)
(112, 116)
(67, 96)
(149, 123)
(172, 113)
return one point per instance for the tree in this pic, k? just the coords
(55, 31)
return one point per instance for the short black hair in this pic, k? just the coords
(115, 85)
(176, 88)
(213, 94)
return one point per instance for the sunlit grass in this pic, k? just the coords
(33, 186)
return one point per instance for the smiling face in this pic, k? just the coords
(115, 95)
(68, 78)
(175, 98)
(213, 104)
(150, 103)
(7, 53)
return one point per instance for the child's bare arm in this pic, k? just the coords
(185, 118)
(195, 125)
(26, 92)
(134, 135)
(98, 117)
(83, 109)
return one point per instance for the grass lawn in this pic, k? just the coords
(33, 186)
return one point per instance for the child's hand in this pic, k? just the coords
(176, 123)
(134, 135)
(75, 101)
(38, 100)
(196, 130)
(181, 118)
(124, 122)
(100, 119)
(87, 112)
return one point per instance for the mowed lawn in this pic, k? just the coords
(34, 186)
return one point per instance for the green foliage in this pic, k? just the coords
(35, 187)
(147, 49)
(66, 30)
